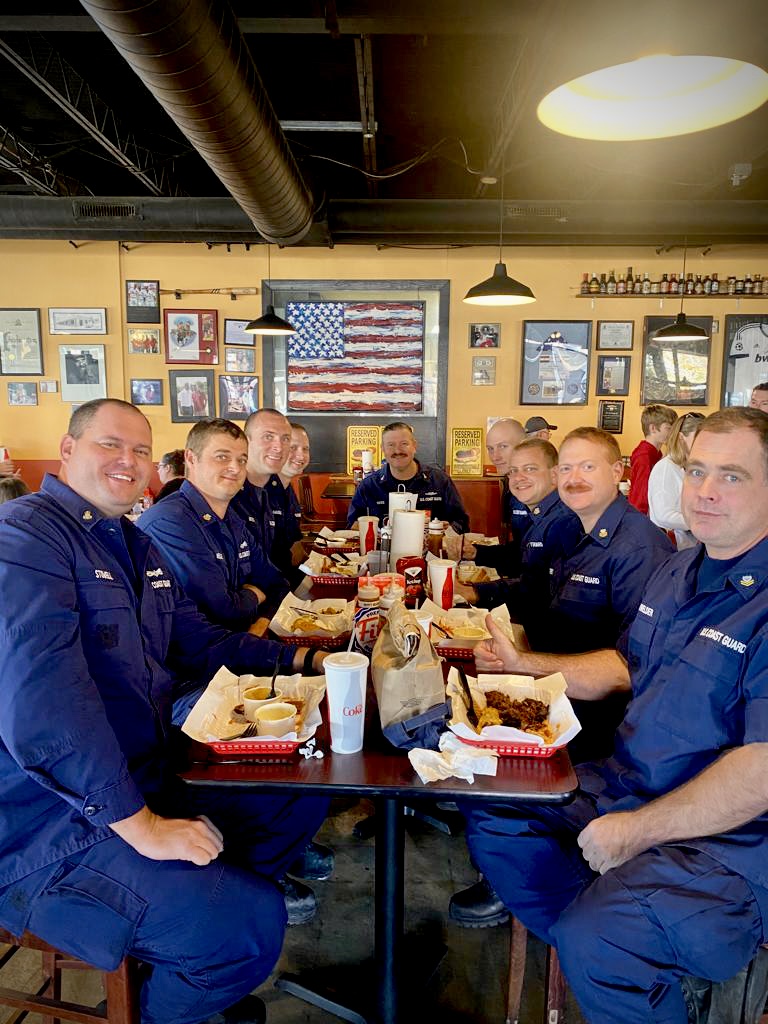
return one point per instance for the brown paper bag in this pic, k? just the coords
(406, 671)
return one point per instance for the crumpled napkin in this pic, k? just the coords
(454, 759)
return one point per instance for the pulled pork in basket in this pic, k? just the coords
(528, 715)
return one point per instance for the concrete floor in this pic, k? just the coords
(470, 983)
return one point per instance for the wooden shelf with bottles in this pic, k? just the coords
(675, 296)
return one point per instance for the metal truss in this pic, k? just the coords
(51, 73)
(34, 168)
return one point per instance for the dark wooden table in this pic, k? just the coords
(340, 488)
(385, 775)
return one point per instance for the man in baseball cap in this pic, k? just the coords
(537, 426)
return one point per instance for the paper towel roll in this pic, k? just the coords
(401, 499)
(407, 533)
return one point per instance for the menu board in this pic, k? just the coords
(466, 451)
(360, 439)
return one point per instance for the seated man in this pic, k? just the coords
(598, 574)
(103, 852)
(288, 541)
(659, 863)
(203, 538)
(435, 489)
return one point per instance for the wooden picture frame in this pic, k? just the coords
(615, 334)
(610, 416)
(191, 336)
(240, 360)
(191, 395)
(613, 375)
(238, 396)
(144, 341)
(83, 373)
(483, 371)
(745, 357)
(142, 302)
(555, 362)
(675, 373)
(77, 320)
(485, 335)
(21, 346)
(146, 391)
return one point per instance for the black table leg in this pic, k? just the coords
(390, 839)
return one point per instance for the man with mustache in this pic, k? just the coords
(657, 869)
(597, 575)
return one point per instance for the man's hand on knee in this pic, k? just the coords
(197, 840)
(612, 840)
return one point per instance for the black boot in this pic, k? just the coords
(300, 901)
(315, 863)
(477, 907)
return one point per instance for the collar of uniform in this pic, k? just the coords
(605, 527)
(83, 511)
(274, 481)
(546, 504)
(749, 574)
(200, 506)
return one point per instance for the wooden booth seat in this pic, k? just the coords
(121, 987)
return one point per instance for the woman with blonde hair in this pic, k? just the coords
(665, 483)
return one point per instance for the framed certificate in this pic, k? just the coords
(610, 416)
(613, 375)
(615, 333)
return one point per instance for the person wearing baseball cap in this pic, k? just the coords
(537, 426)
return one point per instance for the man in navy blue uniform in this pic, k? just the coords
(203, 538)
(102, 851)
(598, 573)
(290, 539)
(435, 489)
(658, 870)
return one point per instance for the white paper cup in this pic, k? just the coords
(251, 704)
(442, 594)
(275, 719)
(366, 460)
(363, 524)
(425, 621)
(346, 677)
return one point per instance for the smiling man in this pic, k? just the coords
(102, 852)
(660, 860)
(435, 490)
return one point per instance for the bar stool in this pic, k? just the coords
(121, 987)
(554, 981)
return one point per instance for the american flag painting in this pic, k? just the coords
(356, 356)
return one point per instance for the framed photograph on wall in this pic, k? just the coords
(144, 341)
(76, 320)
(555, 367)
(235, 334)
(49, 387)
(745, 357)
(191, 336)
(191, 395)
(615, 334)
(238, 396)
(483, 370)
(613, 375)
(22, 393)
(610, 416)
(239, 360)
(146, 391)
(484, 335)
(675, 372)
(21, 350)
(83, 372)
(142, 302)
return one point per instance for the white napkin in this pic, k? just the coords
(454, 759)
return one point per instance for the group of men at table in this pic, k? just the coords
(653, 873)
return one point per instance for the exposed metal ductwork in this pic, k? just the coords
(192, 57)
(395, 222)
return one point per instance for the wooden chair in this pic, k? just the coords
(554, 981)
(121, 987)
(311, 522)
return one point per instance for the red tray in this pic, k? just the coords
(506, 749)
(268, 751)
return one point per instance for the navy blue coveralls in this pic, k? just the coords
(507, 558)
(285, 513)
(435, 489)
(92, 624)
(253, 505)
(698, 658)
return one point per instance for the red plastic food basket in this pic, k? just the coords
(268, 751)
(323, 643)
(507, 749)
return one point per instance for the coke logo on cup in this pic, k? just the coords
(353, 712)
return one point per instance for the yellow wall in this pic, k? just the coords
(52, 273)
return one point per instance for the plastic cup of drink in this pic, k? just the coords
(439, 570)
(346, 677)
(378, 561)
(369, 532)
(425, 621)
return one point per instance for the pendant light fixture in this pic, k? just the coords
(500, 289)
(681, 330)
(269, 322)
